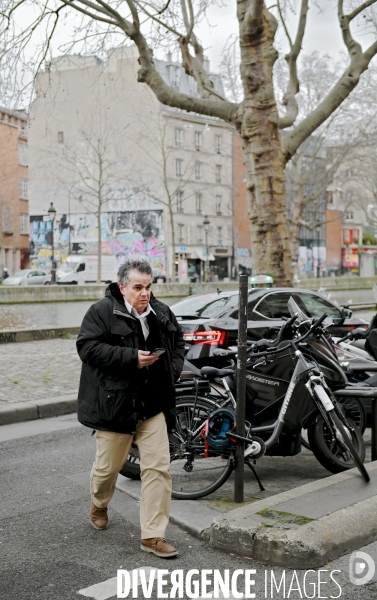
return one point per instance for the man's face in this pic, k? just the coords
(137, 290)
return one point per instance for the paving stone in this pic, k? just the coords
(32, 371)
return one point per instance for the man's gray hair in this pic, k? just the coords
(137, 265)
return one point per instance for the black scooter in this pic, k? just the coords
(360, 365)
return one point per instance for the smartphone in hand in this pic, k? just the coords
(158, 351)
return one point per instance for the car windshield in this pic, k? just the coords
(21, 273)
(208, 306)
(68, 265)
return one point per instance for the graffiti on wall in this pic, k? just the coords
(132, 234)
(308, 261)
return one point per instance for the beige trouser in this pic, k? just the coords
(112, 451)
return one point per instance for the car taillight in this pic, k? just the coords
(206, 338)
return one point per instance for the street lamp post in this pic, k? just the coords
(52, 213)
(318, 269)
(206, 266)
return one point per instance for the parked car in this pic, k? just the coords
(210, 321)
(28, 277)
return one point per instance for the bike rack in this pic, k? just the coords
(365, 392)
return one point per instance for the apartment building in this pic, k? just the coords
(98, 138)
(352, 210)
(14, 209)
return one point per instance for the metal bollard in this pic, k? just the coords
(374, 428)
(241, 388)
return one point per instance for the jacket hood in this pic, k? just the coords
(113, 291)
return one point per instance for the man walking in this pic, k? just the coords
(127, 394)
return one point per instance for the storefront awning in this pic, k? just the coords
(201, 255)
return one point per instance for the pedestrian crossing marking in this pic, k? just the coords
(108, 589)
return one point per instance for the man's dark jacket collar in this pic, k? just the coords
(162, 310)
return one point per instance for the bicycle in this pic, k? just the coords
(202, 447)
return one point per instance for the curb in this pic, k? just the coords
(191, 516)
(42, 333)
(245, 532)
(29, 411)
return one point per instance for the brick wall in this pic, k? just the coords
(14, 245)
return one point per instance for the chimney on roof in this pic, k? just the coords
(168, 56)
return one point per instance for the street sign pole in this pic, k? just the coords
(241, 387)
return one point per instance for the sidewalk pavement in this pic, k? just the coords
(303, 519)
(303, 528)
(38, 379)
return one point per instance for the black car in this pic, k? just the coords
(210, 321)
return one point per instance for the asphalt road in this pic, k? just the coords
(49, 551)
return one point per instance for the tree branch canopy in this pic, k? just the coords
(359, 62)
(289, 100)
(174, 23)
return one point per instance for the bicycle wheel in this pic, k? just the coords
(193, 474)
(341, 453)
(131, 467)
(353, 409)
(206, 474)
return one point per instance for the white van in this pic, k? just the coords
(79, 269)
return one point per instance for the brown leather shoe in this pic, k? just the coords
(159, 547)
(98, 517)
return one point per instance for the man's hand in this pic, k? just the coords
(145, 358)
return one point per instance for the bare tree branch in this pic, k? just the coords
(169, 96)
(155, 18)
(282, 19)
(359, 62)
(86, 12)
(359, 9)
(289, 99)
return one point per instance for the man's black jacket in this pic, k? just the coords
(111, 385)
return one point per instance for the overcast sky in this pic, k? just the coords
(322, 32)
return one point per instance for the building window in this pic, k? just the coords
(7, 220)
(181, 234)
(193, 86)
(218, 204)
(199, 234)
(330, 199)
(348, 215)
(23, 188)
(218, 144)
(60, 137)
(23, 155)
(178, 167)
(198, 140)
(198, 171)
(219, 234)
(178, 137)
(198, 202)
(175, 76)
(180, 202)
(218, 174)
(24, 223)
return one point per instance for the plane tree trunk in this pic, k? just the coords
(264, 159)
